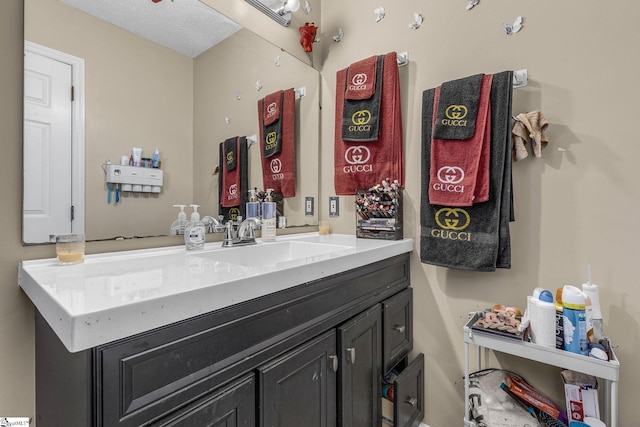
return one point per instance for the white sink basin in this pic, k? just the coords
(266, 255)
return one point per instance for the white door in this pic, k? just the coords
(47, 191)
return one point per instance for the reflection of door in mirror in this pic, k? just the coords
(53, 201)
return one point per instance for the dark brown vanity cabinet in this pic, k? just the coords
(312, 355)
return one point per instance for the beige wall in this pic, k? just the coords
(576, 204)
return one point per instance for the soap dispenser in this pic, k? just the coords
(178, 226)
(269, 218)
(195, 231)
(253, 205)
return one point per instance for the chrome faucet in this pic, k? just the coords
(214, 225)
(244, 234)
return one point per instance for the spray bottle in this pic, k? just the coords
(269, 218)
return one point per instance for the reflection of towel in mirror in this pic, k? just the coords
(270, 108)
(475, 237)
(529, 127)
(364, 164)
(362, 98)
(232, 212)
(279, 168)
(460, 167)
(230, 172)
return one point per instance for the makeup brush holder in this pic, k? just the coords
(379, 213)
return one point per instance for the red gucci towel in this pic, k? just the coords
(459, 174)
(361, 79)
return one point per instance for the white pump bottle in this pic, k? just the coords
(194, 233)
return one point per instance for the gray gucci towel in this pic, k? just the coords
(458, 108)
(475, 237)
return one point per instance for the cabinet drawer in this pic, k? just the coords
(233, 405)
(407, 408)
(397, 330)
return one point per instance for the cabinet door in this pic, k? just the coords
(360, 349)
(233, 406)
(299, 388)
(397, 316)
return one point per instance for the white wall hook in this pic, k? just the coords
(417, 21)
(301, 92)
(338, 37)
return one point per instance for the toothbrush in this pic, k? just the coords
(109, 193)
(117, 193)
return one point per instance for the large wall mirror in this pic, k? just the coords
(139, 93)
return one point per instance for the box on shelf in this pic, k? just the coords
(581, 394)
(379, 213)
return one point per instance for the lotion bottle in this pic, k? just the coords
(269, 218)
(195, 231)
(252, 205)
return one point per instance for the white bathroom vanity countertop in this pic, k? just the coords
(115, 295)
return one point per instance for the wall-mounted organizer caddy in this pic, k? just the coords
(608, 371)
(379, 213)
(134, 178)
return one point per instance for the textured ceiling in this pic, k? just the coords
(186, 26)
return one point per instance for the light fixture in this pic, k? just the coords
(289, 6)
(277, 10)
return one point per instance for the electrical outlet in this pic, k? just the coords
(308, 206)
(334, 206)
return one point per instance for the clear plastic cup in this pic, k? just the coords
(70, 248)
(324, 227)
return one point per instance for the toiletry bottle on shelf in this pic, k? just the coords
(178, 226)
(559, 321)
(591, 289)
(575, 324)
(155, 159)
(195, 231)
(252, 205)
(269, 218)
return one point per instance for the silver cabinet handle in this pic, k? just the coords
(333, 360)
(351, 355)
(399, 328)
(412, 401)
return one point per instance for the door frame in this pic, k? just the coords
(77, 129)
